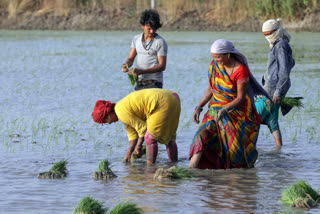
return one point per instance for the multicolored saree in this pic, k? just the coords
(231, 141)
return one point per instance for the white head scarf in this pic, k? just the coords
(222, 46)
(278, 34)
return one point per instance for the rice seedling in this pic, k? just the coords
(300, 194)
(126, 208)
(287, 103)
(172, 173)
(132, 79)
(104, 171)
(58, 170)
(88, 205)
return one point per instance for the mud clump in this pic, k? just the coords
(51, 175)
(162, 173)
(104, 175)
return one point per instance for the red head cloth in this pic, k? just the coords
(101, 109)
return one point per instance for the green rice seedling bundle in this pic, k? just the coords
(88, 205)
(172, 173)
(104, 171)
(181, 173)
(132, 78)
(300, 194)
(213, 113)
(58, 170)
(287, 103)
(126, 208)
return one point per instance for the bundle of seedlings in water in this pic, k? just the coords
(287, 103)
(104, 172)
(88, 205)
(126, 208)
(172, 173)
(58, 170)
(300, 195)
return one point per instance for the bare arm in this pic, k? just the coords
(129, 61)
(132, 145)
(204, 100)
(241, 94)
(138, 147)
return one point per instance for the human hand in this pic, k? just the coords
(124, 67)
(276, 99)
(127, 158)
(196, 115)
(133, 71)
(221, 113)
(138, 151)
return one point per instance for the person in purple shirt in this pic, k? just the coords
(276, 81)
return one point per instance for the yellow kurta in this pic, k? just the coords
(155, 110)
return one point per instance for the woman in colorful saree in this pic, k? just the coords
(228, 133)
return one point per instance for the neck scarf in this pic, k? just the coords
(278, 34)
(101, 109)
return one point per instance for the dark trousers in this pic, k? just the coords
(150, 84)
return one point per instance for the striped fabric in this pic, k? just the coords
(230, 142)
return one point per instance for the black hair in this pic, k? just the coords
(152, 18)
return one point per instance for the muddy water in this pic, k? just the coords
(50, 81)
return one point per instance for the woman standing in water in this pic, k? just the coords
(227, 135)
(151, 52)
(276, 81)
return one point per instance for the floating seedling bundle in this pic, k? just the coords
(126, 208)
(172, 173)
(104, 172)
(57, 171)
(301, 195)
(88, 205)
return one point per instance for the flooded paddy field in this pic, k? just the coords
(50, 80)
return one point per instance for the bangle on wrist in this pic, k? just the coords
(198, 108)
(129, 153)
